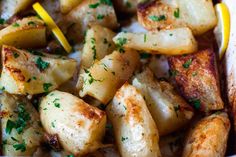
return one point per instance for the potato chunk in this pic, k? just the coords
(170, 42)
(27, 73)
(196, 76)
(135, 131)
(209, 137)
(88, 13)
(102, 80)
(20, 125)
(29, 32)
(98, 43)
(68, 5)
(199, 16)
(169, 110)
(79, 126)
(8, 8)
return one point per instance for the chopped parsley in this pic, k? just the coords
(176, 13)
(15, 54)
(53, 125)
(42, 65)
(46, 86)
(31, 23)
(58, 105)
(173, 73)
(120, 44)
(93, 41)
(91, 79)
(124, 138)
(100, 16)
(145, 38)
(187, 64)
(34, 78)
(20, 123)
(36, 53)
(107, 2)
(16, 25)
(70, 155)
(20, 146)
(157, 18)
(93, 6)
(194, 74)
(196, 103)
(2, 21)
(144, 55)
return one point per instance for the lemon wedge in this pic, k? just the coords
(222, 30)
(52, 25)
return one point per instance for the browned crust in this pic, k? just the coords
(200, 80)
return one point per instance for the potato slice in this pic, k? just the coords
(20, 124)
(29, 32)
(169, 42)
(169, 110)
(27, 73)
(102, 80)
(98, 44)
(88, 13)
(8, 8)
(196, 76)
(79, 126)
(135, 131)
(199, 16)
(68, 5)
(209, 137)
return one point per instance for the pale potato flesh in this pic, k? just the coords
(32, 133)
(21, 73)
(98, 44)
(169, 42)
(8, 8)
(135, 131)
(68, 5)
(79, 126)
(169, 110)
(29, 32)
(208, 138)
(199, 16)
(102, 80)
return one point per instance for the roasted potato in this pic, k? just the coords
(79, 126)
(170, 42)
(196, 76)
(199, 16)
(98, 44)
(209, 137)
(102, 80)
(33, 73)
(68, 5)
(169, 110)
(20, 126)
(8, 8)
(88, 13)
(29, 32)
(135, 131)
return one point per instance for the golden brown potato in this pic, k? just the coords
(88, 13)
(135, 131)
(8, 8)
(209, 137)
(196, 76)
(98, 44)
(169, 110)
(79, 126)
(20, 124)
(33, 73)
(68, 5)
(169, 42)
(29, 32)
(199, 16)
(102, 80)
